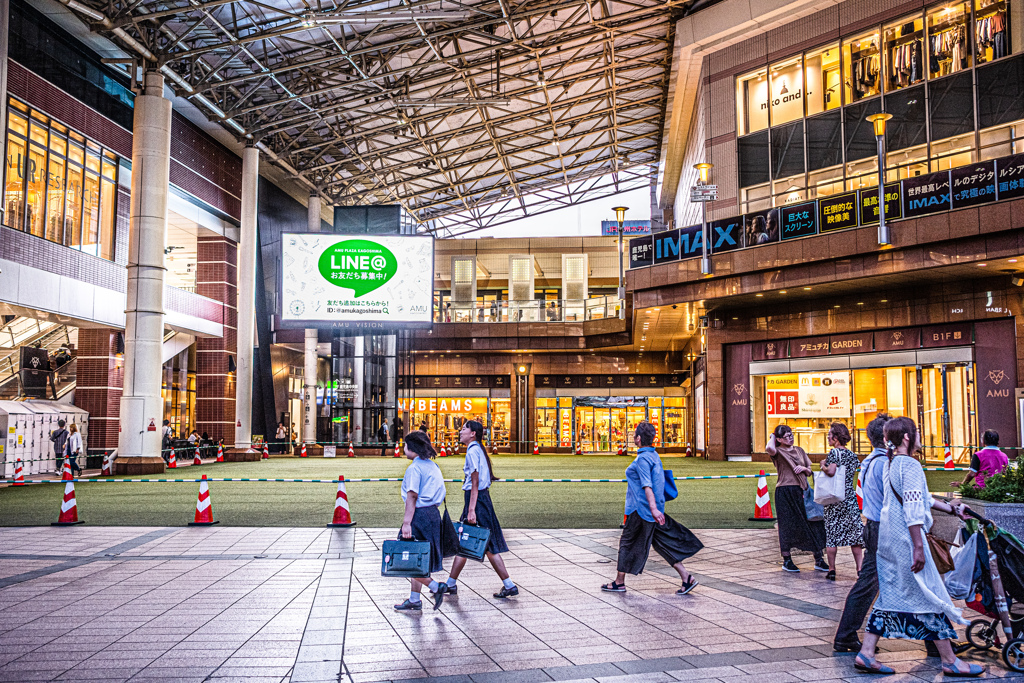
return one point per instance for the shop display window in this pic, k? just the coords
(826, 182)
(862, 67)
(787, 91)
(790, 190)
(952, 152)
(547, 422)
(904, 53)
(501, 421)
(822, 80)
(991, 34)
(675, 426)
(862, 173)
(752, 102)
(808, 402)
(949, 48)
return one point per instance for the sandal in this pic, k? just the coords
(973, 670)
(614, 587)
(871, 666)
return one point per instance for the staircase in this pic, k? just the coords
(24, 331)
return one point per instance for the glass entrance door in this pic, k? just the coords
(947, 411)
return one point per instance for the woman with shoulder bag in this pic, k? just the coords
(843, 525)
(912, 603)
(423, 491)
(479, 509)
(795, 531)
(74, 448)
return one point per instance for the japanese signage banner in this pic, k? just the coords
(857, 342)
(641, 252)
(637, 227)
(869, 204)
(808, 347)
(811, 394)
(954, 334)
(726, 234)
(1011, 176)
(926, 194)
(328, 278)
(837, 212)
(799, 220)
(973, 185)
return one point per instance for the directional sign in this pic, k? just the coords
(704, 193)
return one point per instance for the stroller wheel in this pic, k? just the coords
(1013, 654)
(981, 634)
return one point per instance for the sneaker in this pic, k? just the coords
(690, 584)
(442, 588)
(507, 592)
(790, 566)
(831, 576)
(821, 566)
(409, 605)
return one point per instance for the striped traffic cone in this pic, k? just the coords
(351, 451)
(172, 462)
(302, 451)
(762, 502)
(197, 460)
(494, 448)
(579, 448)
(106, 470)
(536, 448)
(342, 516)
(220, 452)
(949, 458)
(266, 451)
(398, 453)
(19, 474)
(68, 507)
(444, 453)
(621, 450)
(204, 506)
(860, 492)
(65, 473)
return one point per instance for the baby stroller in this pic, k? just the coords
(998, 584)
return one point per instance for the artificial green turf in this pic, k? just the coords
(722, 504)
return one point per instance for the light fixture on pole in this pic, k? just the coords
(620, 215)
(703, 169)
(878, 121)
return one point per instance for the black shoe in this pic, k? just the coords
(452, 590)
(852, 646)
(409, 605)
(959, 646)
(831, 576)
(442, 588)
(789, 566)
(507, 592)
(821, 566)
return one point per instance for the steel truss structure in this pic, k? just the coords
(468, 114)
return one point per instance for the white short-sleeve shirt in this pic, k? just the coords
(476, 461)
(425, 478)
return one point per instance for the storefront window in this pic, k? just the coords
(826, 182)
(676, 429)
(952, 152)
(547, 422)
(808, 402)
(752, 102)
(822, 80)
(862, 173)
(904, 53)
(906, 163)
(756, 198)
(882, 390)
(790, 190)
(787, 88)
(501, 421)
(862, 67)
(948, 47)
(55, 188)
(991, 37)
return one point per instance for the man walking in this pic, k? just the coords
(59, 439)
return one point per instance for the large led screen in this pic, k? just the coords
(350, 280)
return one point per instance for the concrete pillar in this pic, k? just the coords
(359, 380)
(216, 278)
(142, 407)
(5, 23)
(100, 381)
(309, 351)
(247, 300)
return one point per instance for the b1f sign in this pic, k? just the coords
(356, 281)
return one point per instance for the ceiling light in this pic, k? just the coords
(836, 306)
(982, 265)
(782, 291)
(1013, 260)
(437, 102)
(860, 303)
(885, 301)
(759, 295)
(807, 289)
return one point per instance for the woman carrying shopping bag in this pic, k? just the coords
(479, 510)
(423, 490)
(843, 525)
(647, 525)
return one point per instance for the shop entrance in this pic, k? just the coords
(604, 423)
(946, 410)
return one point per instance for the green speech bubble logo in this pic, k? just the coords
(359, 265)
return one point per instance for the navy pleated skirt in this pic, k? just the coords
(486, 517)
(426, 526)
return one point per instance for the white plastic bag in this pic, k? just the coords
(830, 490)
(958, 582)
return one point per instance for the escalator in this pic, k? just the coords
(23, 331)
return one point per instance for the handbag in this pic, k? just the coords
(449, 537)
(473, 540)
(939, 548)
(815, 512)
(671, 492)
(830, 490)
(408, 559)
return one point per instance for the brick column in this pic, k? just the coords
(216, 278)
(100, 377)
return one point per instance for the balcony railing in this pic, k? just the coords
(535, 311)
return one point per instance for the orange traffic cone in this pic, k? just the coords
(172, 462)
(68, 507)
(444, 453)
(266, 451)
(689, 451)
(106, 471)
(19, 475)
(621, 450)
(860, 492)
(197, 460)
(398, 453)
(949, 458)
(762, 502)
(204, 506)
(536, 448)
(342, 517)
(351, 451)
(302, 451)
(579, 448)
(220, 452)
(65, 473)
(494, 448)
(624, 518)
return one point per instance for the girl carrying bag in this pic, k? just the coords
(473, 540)
(405, 558)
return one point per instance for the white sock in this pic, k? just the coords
(433, 586)
(450, 582)
(414, 597)
(509, 583)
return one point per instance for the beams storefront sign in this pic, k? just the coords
(459, 406)
(961, 187)
(811, 394)
(337, 280)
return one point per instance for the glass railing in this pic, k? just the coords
(537, 311)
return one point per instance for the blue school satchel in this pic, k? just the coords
(472, 541)
(406, 559)
(671, 492)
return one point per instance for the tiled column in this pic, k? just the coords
(100, 377)
(216, 278)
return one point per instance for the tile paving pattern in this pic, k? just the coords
(309, 605)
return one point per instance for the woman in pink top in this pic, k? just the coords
(987, 461)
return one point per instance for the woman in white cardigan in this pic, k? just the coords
(912, 600)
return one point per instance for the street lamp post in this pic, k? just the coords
(705, 260)
(620, 214)
(878, 121)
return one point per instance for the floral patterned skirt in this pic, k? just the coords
(909, 626)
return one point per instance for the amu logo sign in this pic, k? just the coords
(359, 265)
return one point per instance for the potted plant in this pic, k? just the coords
(1002, 499)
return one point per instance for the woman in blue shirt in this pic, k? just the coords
(479, 509)
(423, 490)
(647, 524)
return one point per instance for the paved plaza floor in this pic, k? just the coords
(299, 605)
